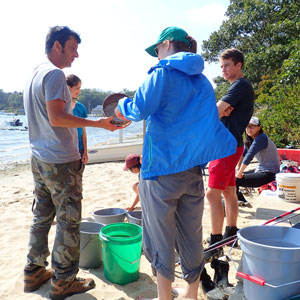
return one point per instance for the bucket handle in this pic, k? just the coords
(254, 279)
(129, 262)
(261, 281)
(90, 238)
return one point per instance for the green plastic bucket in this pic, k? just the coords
(121, 252)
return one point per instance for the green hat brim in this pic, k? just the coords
(150, 50)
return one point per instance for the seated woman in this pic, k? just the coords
(259, 145)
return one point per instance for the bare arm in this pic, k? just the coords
(136, 199)
(59, 118)
(240, 173)
(224, 109)
(240, 162)
(84, 157)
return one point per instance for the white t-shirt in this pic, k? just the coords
(49, 144)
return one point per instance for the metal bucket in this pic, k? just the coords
(135, 217)
(271, 262)
(90, 245)
(109, 215)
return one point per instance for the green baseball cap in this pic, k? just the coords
(172, 34)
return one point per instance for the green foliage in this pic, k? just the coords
(264, 30)
(221, 87)
(268, 33)
(3, 100)
(13, 102)
(92, 97)
(279, 111)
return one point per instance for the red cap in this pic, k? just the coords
(131, 161)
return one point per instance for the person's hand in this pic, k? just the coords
(119, 115)
(106, 123)
(130, 208)
(228, 111)
(239, 175)
(84, 158)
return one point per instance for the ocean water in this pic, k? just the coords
(14, 142)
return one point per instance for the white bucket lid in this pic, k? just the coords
(288, 175)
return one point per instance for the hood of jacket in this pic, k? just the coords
(186, 62)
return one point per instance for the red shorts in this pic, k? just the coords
(222, 171)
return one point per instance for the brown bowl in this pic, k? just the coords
(109, 105)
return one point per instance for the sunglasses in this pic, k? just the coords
(251, 126)
(157, 48)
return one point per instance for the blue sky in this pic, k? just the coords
(114, 35)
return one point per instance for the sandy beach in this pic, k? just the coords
(104, 185)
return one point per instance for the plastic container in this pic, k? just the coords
(271, 254)
(121, 252)
(288, 186)
(289, 154)
(109, 215)
(135, 217)
(90, 245)
(110, 103)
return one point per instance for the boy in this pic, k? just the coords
(133, 164)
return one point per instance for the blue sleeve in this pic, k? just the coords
(147, 98)
(259, 143)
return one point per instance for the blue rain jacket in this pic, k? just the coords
(183, 129)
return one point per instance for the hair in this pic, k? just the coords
(234, 54)
(182, 46)
(138, 165)
(72, 80)
(249, 139)
(60, 34)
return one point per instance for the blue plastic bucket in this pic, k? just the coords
(271, 254)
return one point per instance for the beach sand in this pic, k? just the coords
(104, 185)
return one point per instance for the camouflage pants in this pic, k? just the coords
(58, 191)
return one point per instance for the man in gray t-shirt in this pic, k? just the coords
(56, 169)
(49, 143)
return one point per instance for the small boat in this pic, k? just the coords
(15, 123)
(113, 152)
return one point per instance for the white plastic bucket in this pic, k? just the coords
(272, 254)
(90, 245)
(288, 186)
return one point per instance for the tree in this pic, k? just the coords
(15, 101)
(264, 30)
(268, 33)
(3, 99)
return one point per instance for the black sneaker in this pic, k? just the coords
(209, 288)
(231, 232)
(213, 253)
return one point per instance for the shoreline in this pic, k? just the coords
(15, 164)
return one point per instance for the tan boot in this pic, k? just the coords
(61, 289)
(33, 280)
